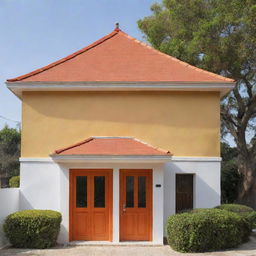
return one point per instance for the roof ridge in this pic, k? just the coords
(70, 56)
(176, 59)
(112, 137)
(58, 151)
(149, 145)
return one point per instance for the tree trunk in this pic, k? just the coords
(247, 187)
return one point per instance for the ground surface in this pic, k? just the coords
(248, 249)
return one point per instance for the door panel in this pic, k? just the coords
(81, 223)
(99, 224)
(184, 192)
(142, 222)
(90, 204)
(136, 205)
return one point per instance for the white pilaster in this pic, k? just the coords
(116, 205)
(158, 205)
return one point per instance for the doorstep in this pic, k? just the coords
(107, 243)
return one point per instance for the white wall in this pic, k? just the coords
(207, 190)
(39, 185)
(9, 203)
(45, 185)
(158, 204)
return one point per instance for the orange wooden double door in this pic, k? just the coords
(91, 200)
(91, 204)
(135, 205)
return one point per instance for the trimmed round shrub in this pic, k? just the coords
(205, 230)
(251, 218)
(14, 182)
(242, 210)
(237, 208)
(33, 228)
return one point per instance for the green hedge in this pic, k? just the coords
(244, 211)
(33, 228)
(206, 230)
(14, 182)
(237, 208)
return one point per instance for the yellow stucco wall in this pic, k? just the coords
(186, 123)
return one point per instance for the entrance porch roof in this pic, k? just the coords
(111, 149)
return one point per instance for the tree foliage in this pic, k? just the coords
(14, 182)
(219, 36)
(229, 174)
(9, 152)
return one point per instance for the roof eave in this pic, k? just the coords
(18, 87)
(111, 158)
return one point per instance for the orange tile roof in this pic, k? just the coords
(118, 57)
(112, 146)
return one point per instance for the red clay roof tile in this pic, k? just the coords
(118, 57)
(111, 146)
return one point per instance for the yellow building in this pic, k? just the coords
(117, 137)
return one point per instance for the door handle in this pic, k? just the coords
(124, 208)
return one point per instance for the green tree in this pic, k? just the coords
(219, 36)
(9, 152)
(229, 175)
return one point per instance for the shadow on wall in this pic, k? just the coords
(152, 110)
(206, 192)
(24, 203)
(3, 240)
(64, 205)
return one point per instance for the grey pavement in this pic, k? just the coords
(247, 249)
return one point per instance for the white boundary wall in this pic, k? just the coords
(9, 203)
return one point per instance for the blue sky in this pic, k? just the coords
(38, 32)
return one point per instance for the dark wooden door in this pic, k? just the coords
(184, 192)
(136, 205)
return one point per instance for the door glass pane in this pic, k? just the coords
(142, 192)
(81, 191)
(129, 191)
(99, 191)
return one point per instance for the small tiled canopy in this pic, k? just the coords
(114, 146)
